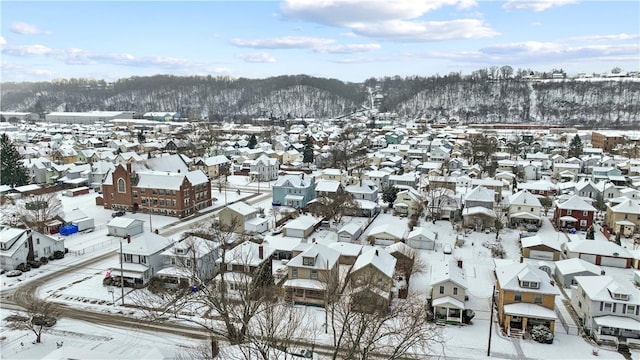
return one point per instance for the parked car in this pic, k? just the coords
(13, 273)
(118, 213)
(447, 249)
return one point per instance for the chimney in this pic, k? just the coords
(521, 259)
(376, 252)
(128, 239)
(129, 167)
(460, 263)
(261, 251)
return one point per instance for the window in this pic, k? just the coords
(121, 185)
(173, 261)
(135, 194)
(517, 296)
(188, 262)
(37, 241)
(583, 223)
(294, 273)
(143, 259)
(631, 309)
(525, 284)
(537, 299)
(307, 261)
(229, 267)
(314, 274)
(569, 212)
(128, 258)
(585, 213)
(455, 291)
(608, 307)
(441, 289)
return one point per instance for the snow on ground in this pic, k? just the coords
(82, 340)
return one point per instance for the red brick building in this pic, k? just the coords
(159, 192)
(574, 213)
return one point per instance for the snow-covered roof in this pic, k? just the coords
(122, 222)
(325, 257)
(627, 207)
(576, 203)
(350, 228)
(509, 277)
(598, 247)
(530, 310)
(576, 265)
(450, 271)
(248, 253)
(621, 322)
(347, 249)
(303, 222)
(419, 230)
(395, 231)
(536, 240)
(327, 186)
(146, 244)
(524, 197)
(401, 248)
(480, 193)
(602, 288)
(242, 208)
(377, 257)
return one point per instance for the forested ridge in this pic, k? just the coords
(471, 99)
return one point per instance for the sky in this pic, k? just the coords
(350, 40)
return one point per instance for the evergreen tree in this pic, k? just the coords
(307, 154)
(12, 173)
(389, 194)
(575, 147)
(252, 142)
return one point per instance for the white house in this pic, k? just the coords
(524, 208)
(123, 226)
(422, 238)
(141, 258)
(190, 261)
(14, 247)
(45, 245)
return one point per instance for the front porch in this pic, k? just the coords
(616, 330)
(520, 318)
(305, 291)
(447, 309)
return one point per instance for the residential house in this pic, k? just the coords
(524, 208)
(448, 292)
(371, 280)
(313, 270)
(190, 261)
(214, 166)
(334, 174)
(243, 218)
(608, 308)
(408, 203)
(264, 168)
(349, 232)
(526, 297)
(406, 179)
(601, 173)
(293, 190)
(14, 247)
(574, 213)
(328, 188)
(141, 258)
(239, 265)
(364, 190)
(623, 218)
(478, 208)
(349, 252)
(379, 178)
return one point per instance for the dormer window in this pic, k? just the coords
(618, 296)
(180, 251)
(530, 284)
(308, 261)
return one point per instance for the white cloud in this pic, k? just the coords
(27, 50)
(535, 5)
(3, 42)
(347, 49)
(257, 58)
(20, 72)
(401, 30)
(392, 20)
(287, 42)
(345, 12)
(613, 37)
(26, 29)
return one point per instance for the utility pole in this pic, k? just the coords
(493, 299)
(121, 273)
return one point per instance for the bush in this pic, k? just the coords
(34, 263)
(44, 260)
(23, 267)
(542, 334)
(58, 254)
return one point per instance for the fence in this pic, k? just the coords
(100, 246)
(570, 328)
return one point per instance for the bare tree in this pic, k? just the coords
(333, 207)
(436, 198)
(37, 210)
(39, 315)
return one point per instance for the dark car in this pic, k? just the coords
(118, 213)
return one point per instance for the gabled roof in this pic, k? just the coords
(146, 244)
(508, 278)
(295, 181)
(524, 197)
(419, 230)
(395, 231)
(327, 185)
(576, 265)
(576, 203)
(248, 253)
(325, 257)
(600, 288)
(242, 208)
(598, 247)
(480, 193)
(377, 257)
(627, 207)
(401, 248)
(448, 272)
(536, 240)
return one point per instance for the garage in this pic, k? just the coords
(588, 258)
(541, 255)
(613, 262)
